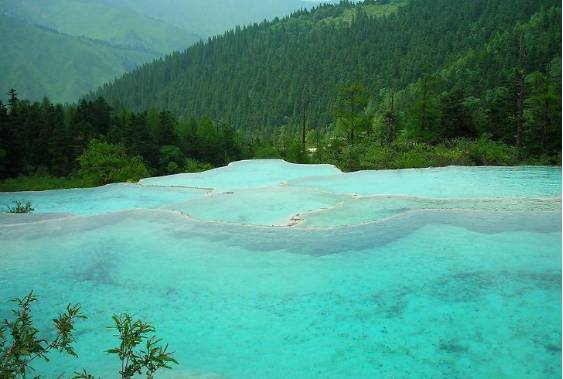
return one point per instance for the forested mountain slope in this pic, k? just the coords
(263, 75)
(42, 62)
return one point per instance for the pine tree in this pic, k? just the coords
(455, 118)
(425, 111)
(352, 102)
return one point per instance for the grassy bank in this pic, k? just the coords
(41, 183)
(408, 154)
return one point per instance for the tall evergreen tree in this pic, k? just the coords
(456, 119)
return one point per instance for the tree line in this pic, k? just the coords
(422, 126)
(42, 138)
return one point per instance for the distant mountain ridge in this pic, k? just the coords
(102, 21)
(110, 37)
(65, 48)
(39, 61)
(211, 17)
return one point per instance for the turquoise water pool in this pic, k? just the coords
(312, 273)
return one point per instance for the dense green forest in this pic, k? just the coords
(91, 143)
(45, 145)
(444, 69)
(371, 85)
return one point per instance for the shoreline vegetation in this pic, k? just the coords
(48, 146)
(459, 153)
(360, 85)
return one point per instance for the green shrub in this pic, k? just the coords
(450, 156)
(295, 153)
(545, 160)
(195, 166)
(416, 158)
(24, 345)
(266, 152)
(377, 157)
(485, 151)
(171, 159)
(20, 207)
(103, 163)
(135, 361)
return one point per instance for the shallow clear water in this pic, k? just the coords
(381, 286)
(445, 182)
(110, 198)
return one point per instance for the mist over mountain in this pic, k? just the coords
(210, 17)
(110, 37)
(42, 62)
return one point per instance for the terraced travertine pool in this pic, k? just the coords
(266, 269)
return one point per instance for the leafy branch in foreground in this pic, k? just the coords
(20, 343)
(20, 207)
(133, 361)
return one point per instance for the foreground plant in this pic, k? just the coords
(20, 343)
(139, 351)
(21, 207)
(134, 359)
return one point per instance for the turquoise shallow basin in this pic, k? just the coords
(436, 273)
(110, 198)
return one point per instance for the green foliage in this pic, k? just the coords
(3, 158)
(66, 48)
(266, 152)
(40, 183)
(350, 112)
(171, 159)
(370, 9)
(139, 351)
(132, 333)
(392, 84)
(459, 152)
(542, 110)
(50, 146)
(21, 207)
(424, 113)
(455, 117)
(103, 163)
(20, 343)
(83, 375)
(295, 153)
(256, 77)
(484, 151)
(194, 166)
